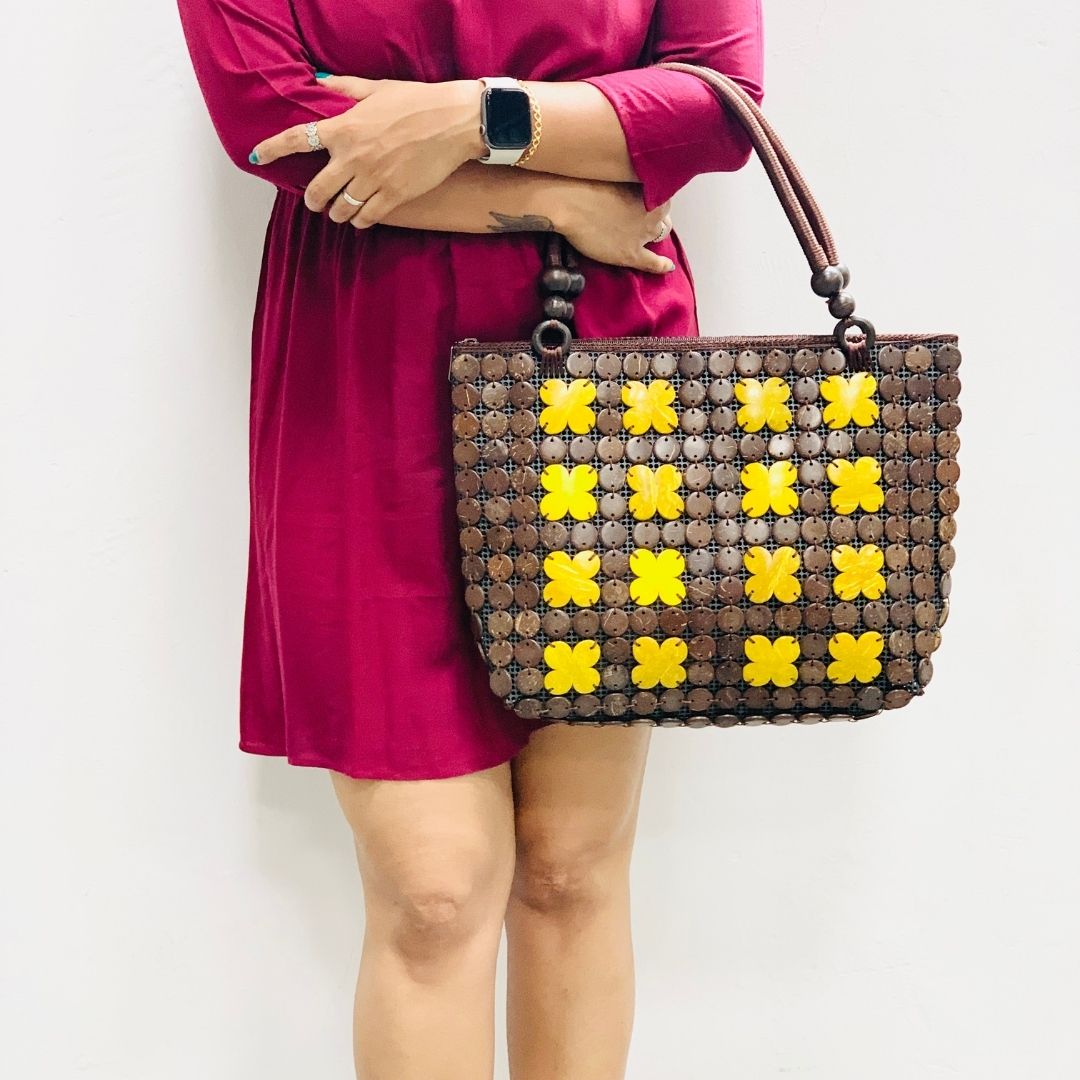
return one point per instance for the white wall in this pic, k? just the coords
(894, 900)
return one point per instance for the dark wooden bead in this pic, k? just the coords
(558, 307)
(827, 281)
(557, 279)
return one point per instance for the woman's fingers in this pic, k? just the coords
(350, 85)
(297, 139)
(290, 141)
(342, 209)
(375, 208)
(293, 140)
(653, 262)
(325, 184)
(659, 221)
(662, 229)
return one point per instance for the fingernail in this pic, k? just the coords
(669, 265)
(253, 157)
(322, 74)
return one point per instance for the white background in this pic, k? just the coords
(895, 899)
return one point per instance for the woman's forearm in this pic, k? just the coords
(478, 198)
(581, 134)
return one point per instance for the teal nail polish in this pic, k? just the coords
(322, 74)
(253, 158)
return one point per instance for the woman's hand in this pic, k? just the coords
(607, 221)
(399, 141)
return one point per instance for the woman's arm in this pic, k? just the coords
(649, 124)
(478, 199)
(256, 79)
(602, 219)
(658, 126)
(403, 140)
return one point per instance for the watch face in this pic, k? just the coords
(507, 120)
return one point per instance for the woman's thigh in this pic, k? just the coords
(432, 851)
(577, 792)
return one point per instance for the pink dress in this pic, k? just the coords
(357, 653)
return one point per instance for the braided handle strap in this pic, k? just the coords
(829, 278)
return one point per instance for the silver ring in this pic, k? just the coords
(351, 201)
(312, 132)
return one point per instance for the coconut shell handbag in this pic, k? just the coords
(708, 530)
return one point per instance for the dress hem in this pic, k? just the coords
(309, 761)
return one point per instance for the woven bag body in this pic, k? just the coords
(710, 530)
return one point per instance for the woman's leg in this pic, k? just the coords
(570, 965)
(436, 859)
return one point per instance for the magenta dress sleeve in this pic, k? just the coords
(257, 79)
(675, 125)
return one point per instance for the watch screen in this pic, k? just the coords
(508, 120)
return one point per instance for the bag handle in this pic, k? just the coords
(829, 278)
(799, 204)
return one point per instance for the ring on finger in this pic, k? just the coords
(351, 201)
(311, 130)
(661, 234)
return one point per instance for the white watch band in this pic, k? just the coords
(497, 155)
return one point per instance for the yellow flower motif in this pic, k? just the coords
(657, 576)
(572, 667)
(763, 404)
(650, 406)
(567, 406)
(769, 488)
(569, 491)
(856, 485)
(772, 574)
(858, 571)
(571, 578)
(855, 658)
(656, 492)
(849, 399)
(770, 661)
(659, 662)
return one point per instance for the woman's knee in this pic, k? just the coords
(435, 858)
(563, 869)
(431, 907)
(443, 900)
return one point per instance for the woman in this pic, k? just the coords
(388, 240)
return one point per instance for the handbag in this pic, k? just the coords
(695, 531)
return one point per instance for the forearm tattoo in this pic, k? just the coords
(521, 222)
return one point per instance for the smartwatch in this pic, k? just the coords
(505, 119)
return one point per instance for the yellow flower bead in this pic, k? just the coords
(649, 406)
(763, 404)
(769, 488)
(772, 574)
(567, 406)
(850, 398)
(859, 571)
(657, 576)
(572, 668)
(771, 661)
(569, 491)
(856, 485)
(571, 578)
(659, 662)
(655, 492)
(855, 658)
